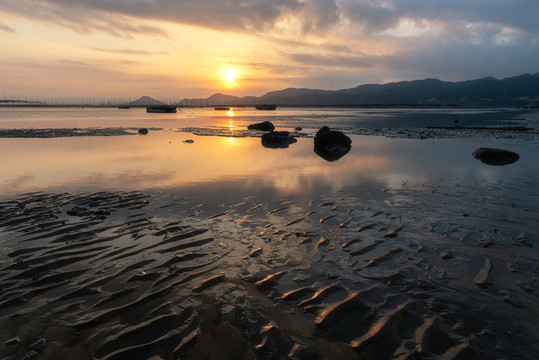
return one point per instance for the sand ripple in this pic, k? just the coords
(115, 275)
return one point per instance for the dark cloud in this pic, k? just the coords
(336, 61)
(126, 17)
(318, 15)
(375, 16)
(119, 17)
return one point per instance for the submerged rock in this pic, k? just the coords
(492, 156)
(277, 139)
(263, 126)
(143, 131)
(331, 145)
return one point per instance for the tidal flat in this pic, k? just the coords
(148, 246)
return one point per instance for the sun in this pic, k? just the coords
(230, 75)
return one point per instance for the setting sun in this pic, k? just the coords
(230, 75)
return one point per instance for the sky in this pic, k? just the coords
(175, 49)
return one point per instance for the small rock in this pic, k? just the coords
(492, 156)
(331, 145)
(277, 139)
(263, 126)
(143, 131)
(189, 141)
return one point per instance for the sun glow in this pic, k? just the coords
(230, 75)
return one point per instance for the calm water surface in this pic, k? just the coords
(161, 160)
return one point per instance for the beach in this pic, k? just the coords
(195, 241)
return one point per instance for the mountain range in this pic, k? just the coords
(522, 90)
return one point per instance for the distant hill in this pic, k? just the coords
(145, 101)
(522, 90)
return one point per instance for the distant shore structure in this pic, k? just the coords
(225, 108)
(161, 109)
(266, 107)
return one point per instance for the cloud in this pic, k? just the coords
(127, 18)
(6, 28)
(366, 39)
(318, 15)
(123, 17)
(130, 51)
(79, 17)
(379, 16)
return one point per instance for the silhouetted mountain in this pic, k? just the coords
(522, 90)
(145, 101)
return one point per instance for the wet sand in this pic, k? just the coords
(414, 272)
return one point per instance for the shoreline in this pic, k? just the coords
(517, 133)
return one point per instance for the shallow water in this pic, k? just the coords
(38, 118)
(137, 246)
(162, 159)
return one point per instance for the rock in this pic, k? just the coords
(189, 141)
(492, 156)
(263, 126)
(143, 131)
(277, 139)
(323, 129)
(331, 145)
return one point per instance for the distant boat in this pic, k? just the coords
(161, 109)
(266, 107)
(222, 108)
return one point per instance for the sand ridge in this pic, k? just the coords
(113, 274)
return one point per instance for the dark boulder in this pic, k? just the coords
(263, 126)
(143, 131)
(277, 139)
(331, 145)
(323, 129)
(492, 156)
